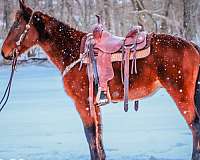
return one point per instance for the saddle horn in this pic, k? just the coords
(21, 1)
(98, 19)
(22, 4)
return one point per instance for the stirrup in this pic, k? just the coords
(102, 98)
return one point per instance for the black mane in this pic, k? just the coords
(64, 39)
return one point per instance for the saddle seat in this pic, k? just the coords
(109, 43)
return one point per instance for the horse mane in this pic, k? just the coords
(65, 40)
(40, 20)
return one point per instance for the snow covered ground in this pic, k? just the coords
(41, 123)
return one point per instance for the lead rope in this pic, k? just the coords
(6, 95)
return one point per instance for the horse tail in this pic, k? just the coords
(197, 93)
(197, 89)
(197, 48)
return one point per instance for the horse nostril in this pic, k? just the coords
(3, 54)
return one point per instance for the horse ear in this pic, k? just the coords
(38, 21)
(22, 4)
(25, 10)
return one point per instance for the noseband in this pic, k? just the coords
(15, 54)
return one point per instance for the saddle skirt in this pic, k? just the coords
(117, 57)
(109, 43)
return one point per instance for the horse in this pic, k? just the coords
(173, 64)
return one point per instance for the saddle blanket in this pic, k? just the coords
(117, 57)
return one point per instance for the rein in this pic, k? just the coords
(6, 95)
(15, 54)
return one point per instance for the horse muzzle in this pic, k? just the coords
(10, 57)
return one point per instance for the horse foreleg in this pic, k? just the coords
(93, 131)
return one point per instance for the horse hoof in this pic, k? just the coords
(196, 156)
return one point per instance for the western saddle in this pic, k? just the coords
(111, 44)
(135, 45)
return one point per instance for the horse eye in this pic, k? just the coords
(16, 24)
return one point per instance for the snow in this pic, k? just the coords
(41, 123)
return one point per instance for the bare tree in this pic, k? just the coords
(108, 14)
(6, 14)
(190, 8)
(164, 27)
(49, 6)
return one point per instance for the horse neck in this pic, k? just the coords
(61, 44)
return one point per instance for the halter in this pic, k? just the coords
(24, 33)
(15, 53)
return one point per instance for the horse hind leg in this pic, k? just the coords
(197, 93)
(196, 124)
(187, 109)
(183, 93)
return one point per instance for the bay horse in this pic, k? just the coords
(172, 64)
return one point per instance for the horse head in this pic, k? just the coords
(22, 18)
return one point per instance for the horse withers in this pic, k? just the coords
(173, 63)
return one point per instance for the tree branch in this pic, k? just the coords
(174, 23)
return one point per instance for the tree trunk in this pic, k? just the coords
(190, 27)
(108, 14)
(164, 27)
(117, 17)
(49, 6)
(6, 15)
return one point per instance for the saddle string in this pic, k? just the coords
(134, 61)
(98, 19)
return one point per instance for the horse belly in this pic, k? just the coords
(142, 92)
(135, 93)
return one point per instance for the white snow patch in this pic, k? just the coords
(39, 123)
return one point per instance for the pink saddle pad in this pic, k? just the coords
(109, 43)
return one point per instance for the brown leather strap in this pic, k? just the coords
(82, 47)
(122, 63)
(134, 65)
(91, 88)
(136, 105)
(126, 78)
(90, 72)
